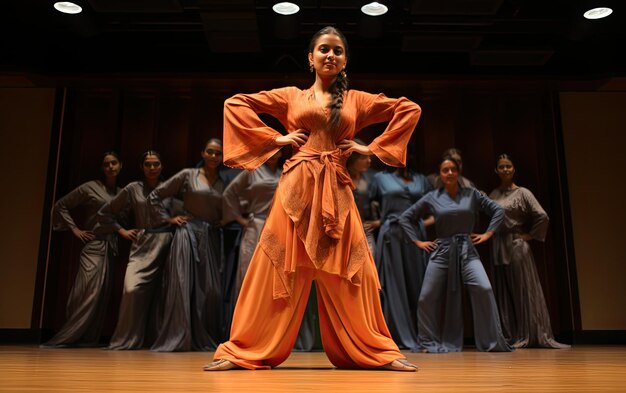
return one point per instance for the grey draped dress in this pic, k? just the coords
(523, 310)
(401, 265)
(192, 303)
(455, 261)
(87, 302)
(145, 262)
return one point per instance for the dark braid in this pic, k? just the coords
(340, 85)
(338, 89)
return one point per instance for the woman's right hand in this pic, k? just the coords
(129, 234)
(84, 236)
(295, 139)
(426, 246)
(178, 220)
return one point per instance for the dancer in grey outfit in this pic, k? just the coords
(192, 308)
(525, 317)
(87, 302)
(147, 253)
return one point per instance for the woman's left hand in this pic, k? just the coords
(478, 238)
(347, 146)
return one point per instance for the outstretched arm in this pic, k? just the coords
(402, 115)
(248, 141)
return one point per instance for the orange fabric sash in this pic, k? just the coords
(335, 173)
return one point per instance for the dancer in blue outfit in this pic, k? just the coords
(401, 265)
(454, 258)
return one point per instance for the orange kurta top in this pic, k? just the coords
(315, 190)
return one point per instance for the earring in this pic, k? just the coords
(311, 68)
(344, 74)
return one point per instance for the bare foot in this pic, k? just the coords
(400, 365)
(220, 365)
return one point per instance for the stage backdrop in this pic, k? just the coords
(566, 148)
(177, 115)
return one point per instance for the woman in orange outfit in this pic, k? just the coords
(313, 230)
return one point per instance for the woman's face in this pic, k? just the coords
(362, 163)
(111, 166)
(329, 55)
(152, 167)
(505, 169)
(449, 172)
(212, 155)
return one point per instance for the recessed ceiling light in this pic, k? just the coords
(67, 8)
(598, 13)
(285, 8)
(374, 9)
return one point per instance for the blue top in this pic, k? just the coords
(452, 216)
(395, 194)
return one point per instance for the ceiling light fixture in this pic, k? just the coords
(67, 8)
(286, 8)
(374, 9)
(598, 13)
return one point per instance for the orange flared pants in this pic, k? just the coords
(264, 329)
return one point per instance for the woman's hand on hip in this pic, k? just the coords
(84, 236)
(426, 246)
(478, 238)
(295, 139)
(348, 146)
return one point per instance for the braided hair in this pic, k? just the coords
(340, 85)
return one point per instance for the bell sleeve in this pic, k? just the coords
(248, 141)
(402, 114)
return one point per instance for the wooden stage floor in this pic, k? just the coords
(580, 369)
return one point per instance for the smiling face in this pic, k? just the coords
(328, 55)
(449, 172)
(212, 155)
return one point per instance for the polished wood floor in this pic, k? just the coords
(580, 369)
